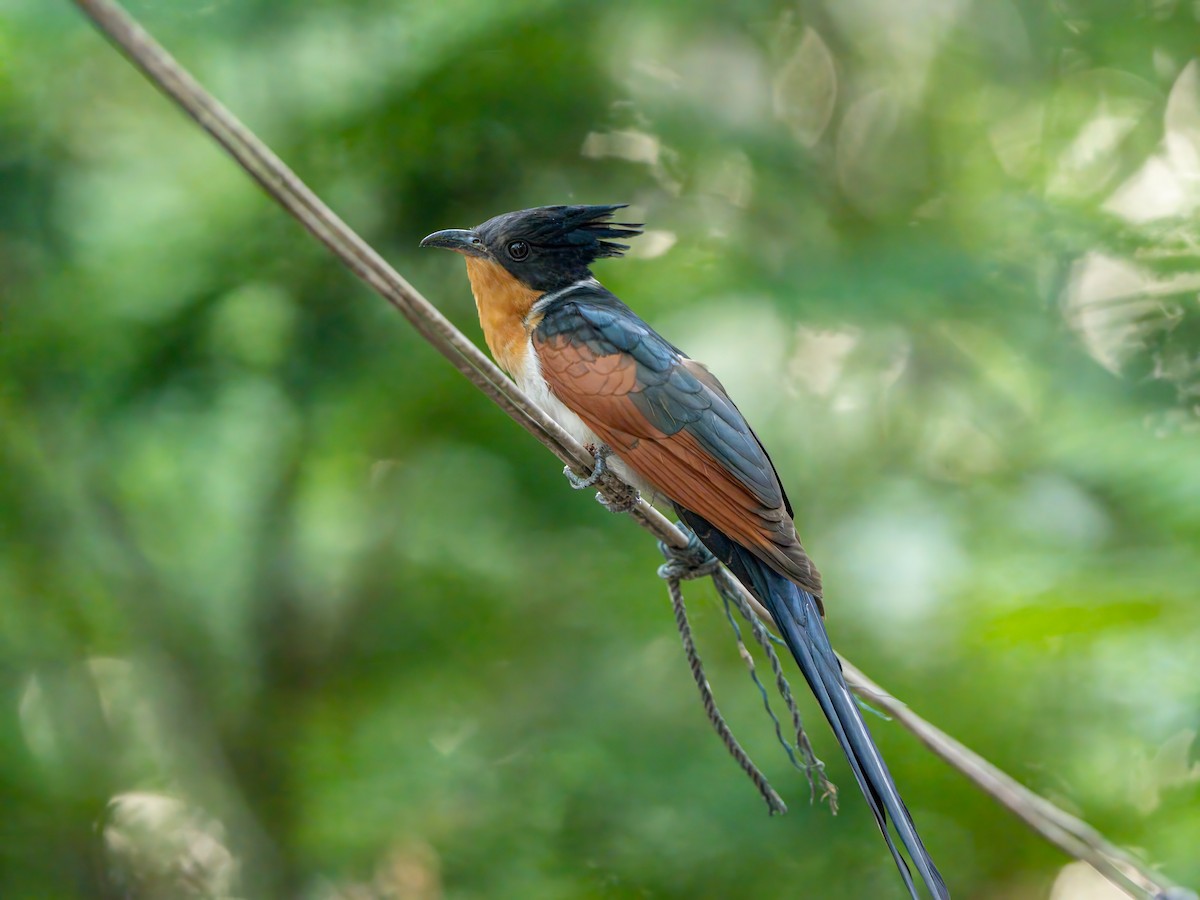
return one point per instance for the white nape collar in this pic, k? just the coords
(546, 299)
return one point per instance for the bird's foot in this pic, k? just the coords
(693, 560)
(600, 454)
(625, 497)
(619, 497)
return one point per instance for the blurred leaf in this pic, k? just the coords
(806, 89)
(1039, 623)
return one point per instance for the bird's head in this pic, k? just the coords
(545, 248)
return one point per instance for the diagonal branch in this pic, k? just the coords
(1060, 828)
(1073, 836)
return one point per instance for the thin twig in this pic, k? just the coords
(1068, 833)
(1055, 825)
(282, 184)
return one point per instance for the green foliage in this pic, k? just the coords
(288, 609)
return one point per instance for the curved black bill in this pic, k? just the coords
(461, 240)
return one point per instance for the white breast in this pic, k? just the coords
(530, 380)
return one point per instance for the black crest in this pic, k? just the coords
(549, 246)
(581, 228)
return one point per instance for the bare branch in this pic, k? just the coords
(302, 204)
(1060, 828)
(1073, 836)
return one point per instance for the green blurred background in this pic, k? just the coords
(288, 609)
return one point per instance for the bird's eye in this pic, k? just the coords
(518, 250)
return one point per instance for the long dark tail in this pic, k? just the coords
(799, 620)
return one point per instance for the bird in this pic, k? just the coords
(618, 386)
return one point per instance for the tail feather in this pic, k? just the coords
(795, 611)
(799, 619)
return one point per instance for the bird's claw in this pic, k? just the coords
(624, 498)
(600, 455)
(623, 502)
